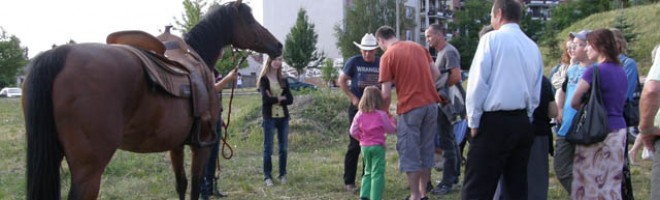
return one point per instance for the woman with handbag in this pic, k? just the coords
(598, 165)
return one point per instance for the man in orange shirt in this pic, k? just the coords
(410, 67)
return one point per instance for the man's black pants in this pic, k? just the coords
(501, 147)
(353, 152)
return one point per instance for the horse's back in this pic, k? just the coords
(102, 96)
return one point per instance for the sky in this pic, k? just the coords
(41, 23)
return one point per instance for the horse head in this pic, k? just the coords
(247, 33)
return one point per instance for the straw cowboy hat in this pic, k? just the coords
(368, 42)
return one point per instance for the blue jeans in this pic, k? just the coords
(446, 141)
(282, 126)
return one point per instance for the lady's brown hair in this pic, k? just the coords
(602, 40)
(621, 43)
(371, 99)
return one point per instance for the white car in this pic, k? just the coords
(11, 92)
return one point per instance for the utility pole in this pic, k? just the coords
(397, 19)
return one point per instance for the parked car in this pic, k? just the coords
(295, 84)
(10, 92)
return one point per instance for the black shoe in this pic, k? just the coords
(423, 198)
(441, 190)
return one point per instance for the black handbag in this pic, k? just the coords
(626, 182)
(589, 124)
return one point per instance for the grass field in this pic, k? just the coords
(317, 143)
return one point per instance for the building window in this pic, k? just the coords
(410, 12)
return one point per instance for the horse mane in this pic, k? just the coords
(213, 32)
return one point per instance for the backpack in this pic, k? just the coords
(631, 107)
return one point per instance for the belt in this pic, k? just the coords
(508, 112)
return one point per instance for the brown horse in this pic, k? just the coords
(83, 102)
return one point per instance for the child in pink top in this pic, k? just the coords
(369, 127)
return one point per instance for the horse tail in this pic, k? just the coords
(44, 152)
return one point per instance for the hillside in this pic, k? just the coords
(644, 20)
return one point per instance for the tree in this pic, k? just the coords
(12, 58)
(192, 14)
(626, 28)
(300, 44)
(328, 71)
(533, 28)
(468, 22)
(365, 16)
(230, 59)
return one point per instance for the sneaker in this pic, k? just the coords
(268, 182)
(441, 190)
(283, 179)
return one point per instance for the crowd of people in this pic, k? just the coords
(508, 114)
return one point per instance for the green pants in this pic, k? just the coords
(373, 180)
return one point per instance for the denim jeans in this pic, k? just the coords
(445, 140)
(563, 162)
(282, 126)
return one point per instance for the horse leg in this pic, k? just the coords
(199, 158)
(177, 156)
(86, 169)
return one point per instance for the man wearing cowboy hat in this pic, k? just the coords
(362, 70)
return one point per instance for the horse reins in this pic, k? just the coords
(225, 126)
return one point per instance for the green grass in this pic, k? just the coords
(644, 21)
(317, 144)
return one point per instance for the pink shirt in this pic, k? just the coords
(370, 128)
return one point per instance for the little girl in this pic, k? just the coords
(369, 127)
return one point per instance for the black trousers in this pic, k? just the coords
(501, 147)
(353, 153)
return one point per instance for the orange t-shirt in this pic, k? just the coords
(407, 65)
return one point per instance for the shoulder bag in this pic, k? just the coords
(590, 122)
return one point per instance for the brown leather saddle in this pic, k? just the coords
(171, 65)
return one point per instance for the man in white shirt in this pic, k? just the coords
(649, 104)
(503, 91)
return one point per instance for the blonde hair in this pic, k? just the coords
(265, 69)
(371, 99)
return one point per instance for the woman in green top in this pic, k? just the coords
(275, 96)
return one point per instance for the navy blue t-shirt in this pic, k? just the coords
(362, 73)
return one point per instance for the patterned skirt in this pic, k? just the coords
(598, 168)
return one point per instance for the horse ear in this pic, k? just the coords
(238, 2)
